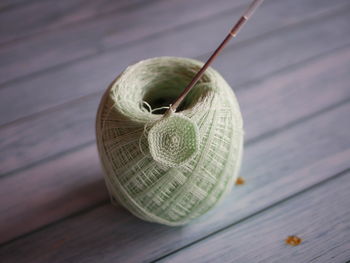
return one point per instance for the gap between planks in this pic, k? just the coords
(227, 17)
(101, 39)
(300, 127)
(57, 101)
(302, 67)
(329, 183)
(297, 121)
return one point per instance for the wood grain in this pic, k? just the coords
(115, 29)
(55, 189)
(293, 89)
(25, 143)
(93, 74)
(55, 131)
(289, 69)
(321, 217)
(274, 168)
(50, 15)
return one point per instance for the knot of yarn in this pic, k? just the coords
(173, 140)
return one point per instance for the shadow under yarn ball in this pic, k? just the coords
(169, 168)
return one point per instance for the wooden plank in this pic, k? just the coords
(293, 89)
(66, 46)
(56, 131)
(42, 16)
(321, 217)
(275, 168)
(92, 75)
(53, 133)
(7, 4)
(116, 29)
(58, 128)
(55, 189)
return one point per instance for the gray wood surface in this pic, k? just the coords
(276, 164)
(313, 216)
(290, 70)
(291, 88)
(71, 124)
(69, 82)
(117, 29)
(51, 15)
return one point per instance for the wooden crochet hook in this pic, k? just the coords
(233, 32)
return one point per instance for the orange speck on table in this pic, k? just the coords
(240, 181)
(293, 240)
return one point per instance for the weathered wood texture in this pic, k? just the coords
(292, 89)
(119, 27)
(290, 70)
(275, 168)
(43, 16)
(54, 129)
(93, 74)
(313, 216)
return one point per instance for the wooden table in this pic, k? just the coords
(290, 69)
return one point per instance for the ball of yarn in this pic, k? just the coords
(169, 168)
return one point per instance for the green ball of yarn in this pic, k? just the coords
(169, 168)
